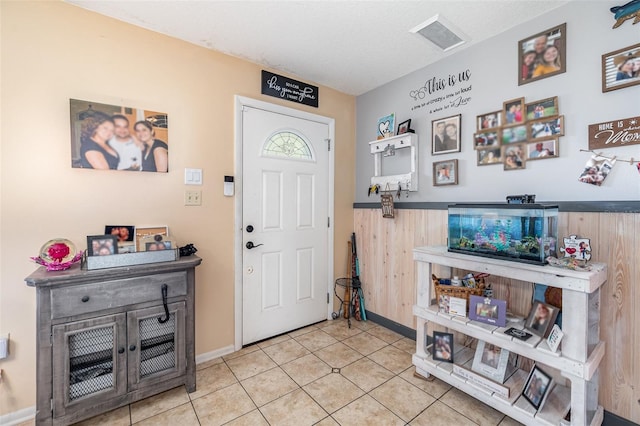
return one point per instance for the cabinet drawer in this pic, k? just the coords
(84, 298)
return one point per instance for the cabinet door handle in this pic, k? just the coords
(132, 348)
(121, 350)
(164, 303)
(85, 299)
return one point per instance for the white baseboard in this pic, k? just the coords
(18, 417)
(208, 356)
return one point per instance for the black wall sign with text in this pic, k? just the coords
(286, 88)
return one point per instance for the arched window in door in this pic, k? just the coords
(286, 143)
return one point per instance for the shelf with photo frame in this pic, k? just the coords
(577, 365)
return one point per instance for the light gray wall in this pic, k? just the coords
(494, 66)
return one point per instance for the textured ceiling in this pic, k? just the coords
(351, 46)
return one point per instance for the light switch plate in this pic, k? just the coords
(193, 176)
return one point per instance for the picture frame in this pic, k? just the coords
(490, 156)
(537, 387)
(386, 125)
(488, 310)
(514, 156)
(491, 361)
(102, 245)
(542, 150)
(541, 318)
(486, 139)
(443, 346)
(404, 127)
(616, 64)
(546, 129)
(532, 63)
(146, 231)
(155, 242)
(541, 109)
(513, 112)
(490, 120)
(445, 172)
(134, 125)
(513, 134)
(596, 170)
(576, 247)
(122, 232)
(446, 135)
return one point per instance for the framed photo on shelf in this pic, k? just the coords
(155, 243)
(404, 127)
(489, 156)
(487, 310)
(146, 231)
(542, 150)
(513, 134)
(445, 173)
(386, 125)
(482, 140)
(541, 318)
(545, 129)
(537, 387)
(514, 156)
(445, 135)
(125, 235)
(491, 361)
(620, 68)
(443, 346)
(542, 55)
(489, 120)
(543, 108)
(102, 245)
(513, 112)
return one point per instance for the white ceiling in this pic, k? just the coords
(351, 46)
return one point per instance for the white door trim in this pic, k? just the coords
(240, 102)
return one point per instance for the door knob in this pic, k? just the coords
(249, 228)
(250, 245)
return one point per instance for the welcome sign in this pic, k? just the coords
(282, 87)
(613, 134)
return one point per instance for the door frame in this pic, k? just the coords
(240, 103)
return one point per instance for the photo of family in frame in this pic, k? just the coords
(445, 135)
(542, 55)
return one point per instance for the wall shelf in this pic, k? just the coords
(407, 181)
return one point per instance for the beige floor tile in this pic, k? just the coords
(212, 379)
(363, 411)
(181, 415)
(327, 421)
(118, 417)
(392, 358)
(365, 343)
(402, 398)
(363, 325)
(333, 392)
(268, 386)
(30, 422)
(250, 365)
(209, 363)
(475, 410)
(306, 369)
(274, 341)
(286, 351)
(158, 404)
(253, 418)
(385, 334)
(341, 330)
(338, 355)
(223, 406)
(315, 340)
(508, 421)
(406, 344)
(366, 374)
(304, 330)
(244, 351)
(295, 409)
(438, 414)
(433, 386)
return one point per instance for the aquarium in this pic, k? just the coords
(520, 232)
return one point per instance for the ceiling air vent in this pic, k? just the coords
(440, 32)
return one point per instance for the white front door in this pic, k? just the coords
(285, 213)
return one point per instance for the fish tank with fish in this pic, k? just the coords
(520, 232)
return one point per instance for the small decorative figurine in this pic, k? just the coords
(626, 11)
(58, 254)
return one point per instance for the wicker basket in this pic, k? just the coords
(460, 292)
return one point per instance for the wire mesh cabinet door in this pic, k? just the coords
(89, 362)
(156, 344)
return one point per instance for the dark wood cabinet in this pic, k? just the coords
(107, 338)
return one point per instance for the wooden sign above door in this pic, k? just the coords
(615, 133)
(286, 88)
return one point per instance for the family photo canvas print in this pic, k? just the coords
(113, 137)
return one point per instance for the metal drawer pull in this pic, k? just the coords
(132, 348)
(121, 350)
(164, 303)
(85, 299)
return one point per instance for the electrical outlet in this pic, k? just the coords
(192, 198)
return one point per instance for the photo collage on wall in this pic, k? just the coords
(519, 133)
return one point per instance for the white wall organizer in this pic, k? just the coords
(388, 146)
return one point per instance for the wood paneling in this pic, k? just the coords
(388, 278)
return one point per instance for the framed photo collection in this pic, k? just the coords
(119, 239)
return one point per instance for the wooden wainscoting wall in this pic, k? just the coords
(388, 280)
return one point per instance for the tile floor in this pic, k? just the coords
(324, 374)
